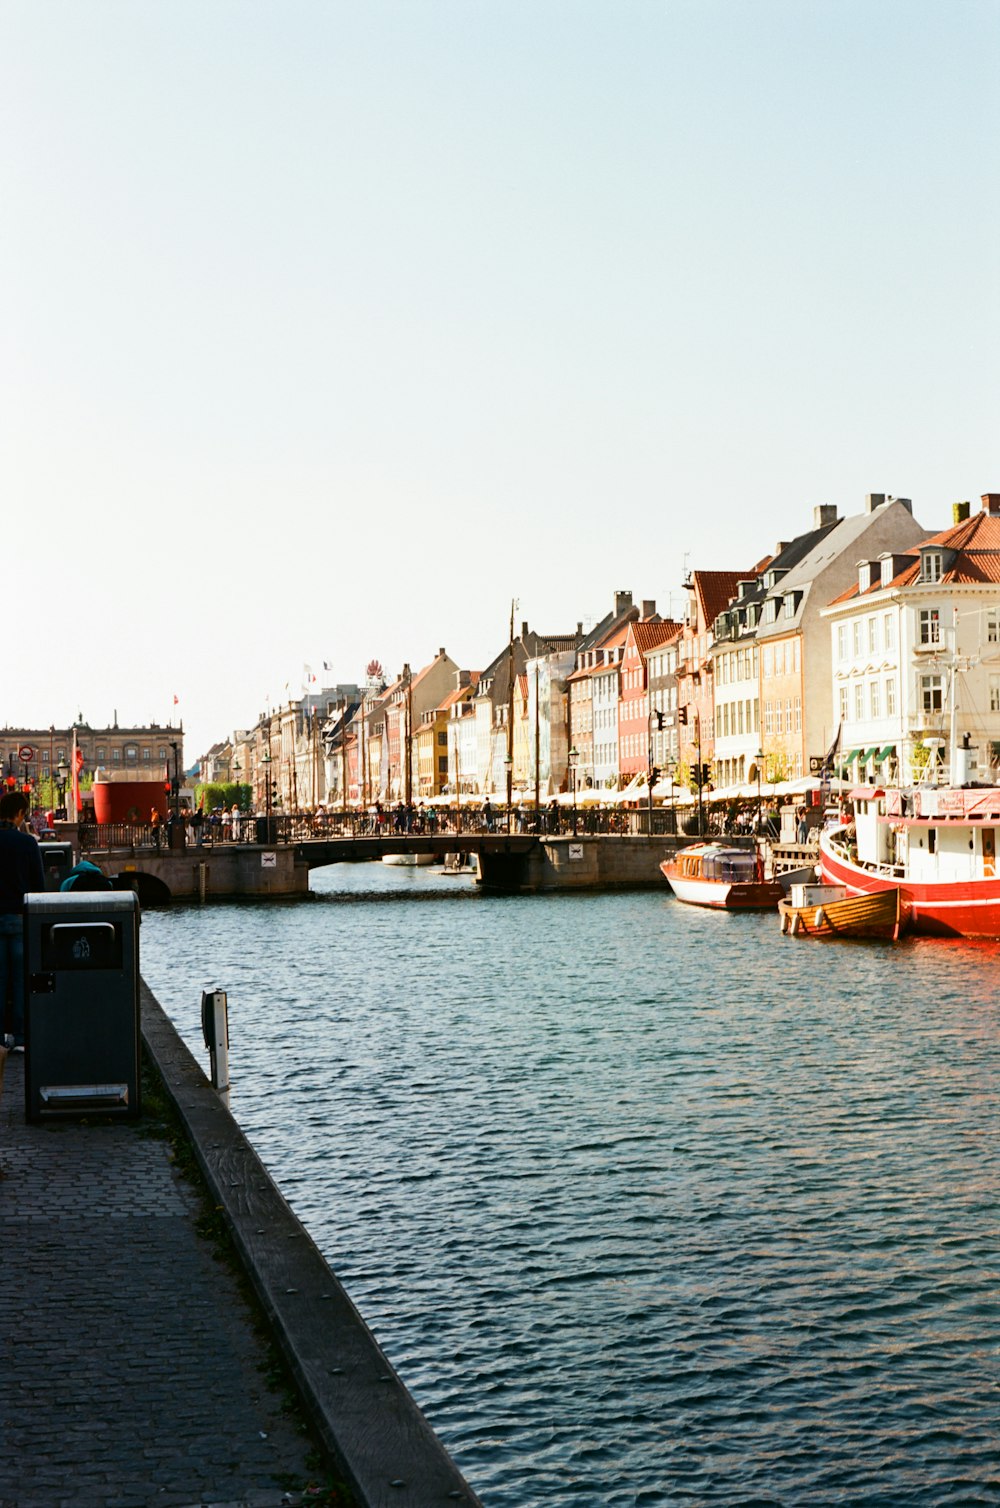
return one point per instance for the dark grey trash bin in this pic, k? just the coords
(57, 861)
(81, 1017)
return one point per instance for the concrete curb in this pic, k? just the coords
(363, 1412)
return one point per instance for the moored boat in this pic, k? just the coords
(408, 859)
(936, 845)
(729, 879)
(828, 911)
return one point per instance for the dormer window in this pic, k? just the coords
(931, 565)
(770, 610)
(790, 605)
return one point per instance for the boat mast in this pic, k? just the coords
(510, 711)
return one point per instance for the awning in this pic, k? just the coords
(851, 756)
(884, 753)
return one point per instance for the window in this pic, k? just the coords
(798, 714)
(843, 704)
(872, 635)
(768, 661)
(145, 755)
(930, 625)
(857, 635)
(874, 700)
(859, 702)
(931, 565)
(889, 631)
(161, 753)
(992, 634)
(890, 696)
(116, 756)
(842, 641)
(931, 697)
(768, 718)
(995, 693)
(790, 605)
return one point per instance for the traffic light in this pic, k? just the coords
(682, 715)
(659, 718)
(706, 774)
(11, 782)
(654, 776)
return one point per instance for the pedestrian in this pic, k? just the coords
(154, 821)
(21, 872)
(802, 831)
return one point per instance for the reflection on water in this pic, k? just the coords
(648, 1205)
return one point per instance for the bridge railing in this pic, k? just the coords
(430, 822)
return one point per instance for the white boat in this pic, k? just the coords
(408, 859)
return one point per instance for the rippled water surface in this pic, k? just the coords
(647, 1204)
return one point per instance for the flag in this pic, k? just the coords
(176, 700)
(327, 665)
(831, 753)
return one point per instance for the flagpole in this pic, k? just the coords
(76, 781)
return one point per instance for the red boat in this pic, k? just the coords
(937, 846)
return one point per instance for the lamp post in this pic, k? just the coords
(266, 762)
(758, 760)
(62, 772)
(574, 755)
(176, 782)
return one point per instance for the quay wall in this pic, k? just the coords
(582, 863)
(369, 1422)
(215, 873)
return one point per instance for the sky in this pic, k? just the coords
(329, 330)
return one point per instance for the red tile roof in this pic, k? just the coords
(716, 589)
(649, 634)
(975, 540)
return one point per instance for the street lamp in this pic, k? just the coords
(574, 755)
(759, 760)
(62, 772)
(508, 764)
(265, 760)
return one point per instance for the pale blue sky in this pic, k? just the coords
(328, 328)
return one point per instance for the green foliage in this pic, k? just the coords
(225, 794)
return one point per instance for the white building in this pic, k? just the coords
(916, 654)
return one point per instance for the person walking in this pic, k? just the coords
(21, 872)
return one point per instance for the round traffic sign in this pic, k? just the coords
(26, 753)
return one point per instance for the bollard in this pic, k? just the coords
(215, 1027)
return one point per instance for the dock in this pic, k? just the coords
(138, 1368)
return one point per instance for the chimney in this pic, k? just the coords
(781, 545)
(524, 630)
(904, 502)
(441, 653)
(823, 514)
(463, 678)
(873, 500)
(991, 504)
(623, 601)
(648, 609)
(961, 511)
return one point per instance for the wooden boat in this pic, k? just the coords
(729, 879)
(829, 911)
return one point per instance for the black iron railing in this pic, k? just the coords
(428, 822)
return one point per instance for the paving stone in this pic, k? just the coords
(130, 1367)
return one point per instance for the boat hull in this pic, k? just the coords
(959, 908)
(878, 915)
(722, 895)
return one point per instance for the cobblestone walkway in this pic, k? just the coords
(130, 1370)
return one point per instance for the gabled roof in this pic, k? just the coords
(972, 557)
(715, 590)
(650, 633)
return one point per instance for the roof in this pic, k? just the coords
(715, 590)
(650, 633)
(974, 546)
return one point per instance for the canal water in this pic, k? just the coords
(647, 1204)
